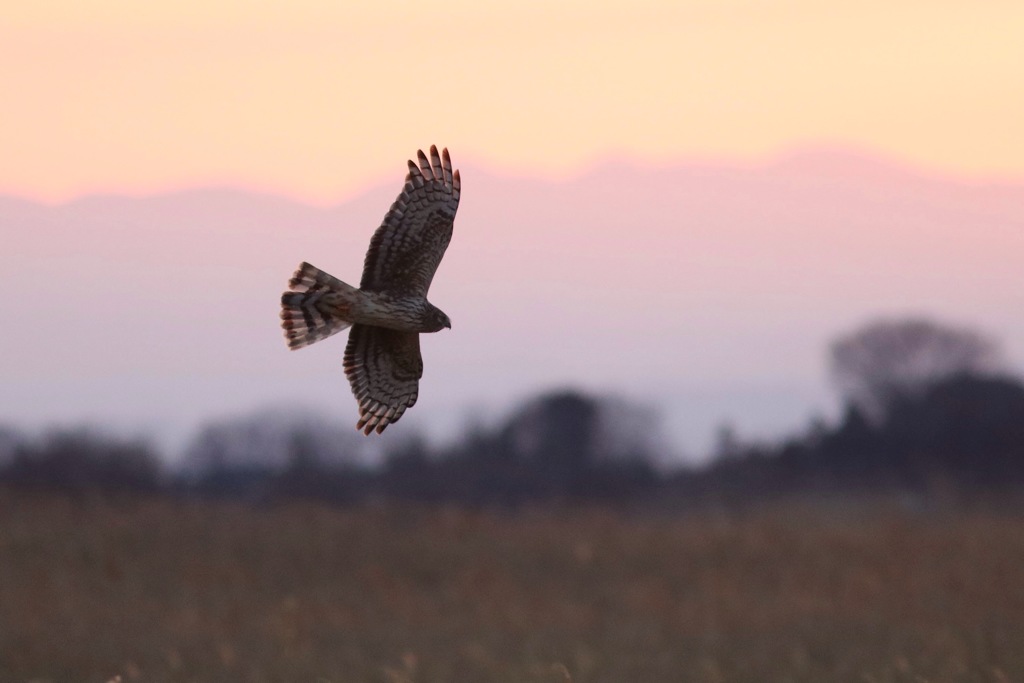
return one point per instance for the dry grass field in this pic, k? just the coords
(185, 591)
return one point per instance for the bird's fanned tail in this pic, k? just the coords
(315, 307)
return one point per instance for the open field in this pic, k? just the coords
(173, 591)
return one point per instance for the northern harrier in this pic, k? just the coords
(390, 309)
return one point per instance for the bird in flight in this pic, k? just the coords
(389, 310)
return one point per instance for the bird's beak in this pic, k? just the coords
(449, 325)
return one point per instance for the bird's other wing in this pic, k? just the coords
(384, 367)
(406, 249)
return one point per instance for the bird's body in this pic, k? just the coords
(357, 307)
(389, 310)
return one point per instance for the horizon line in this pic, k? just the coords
(782, 156)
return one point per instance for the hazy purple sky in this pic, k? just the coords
(708, 291)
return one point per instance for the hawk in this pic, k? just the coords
(389, 310)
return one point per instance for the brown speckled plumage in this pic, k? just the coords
(390, 309)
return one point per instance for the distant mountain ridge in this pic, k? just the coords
(821, 160)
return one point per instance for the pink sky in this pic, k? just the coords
(317, 98)
(707, 292)
(758, 258)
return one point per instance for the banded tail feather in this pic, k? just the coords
(315, 307)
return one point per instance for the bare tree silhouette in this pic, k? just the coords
(889, 360)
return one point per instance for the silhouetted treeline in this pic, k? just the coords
(927, 409)
(275, 454)
(79, 461)
(963, 433)
(562, 446)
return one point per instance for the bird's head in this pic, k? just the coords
(437, 320)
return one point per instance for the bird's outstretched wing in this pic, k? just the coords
(384, 367)
(406, 249)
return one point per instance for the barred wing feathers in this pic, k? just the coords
(408, 246)
(384, 367)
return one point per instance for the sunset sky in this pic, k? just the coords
(317, 98)
(684, 201)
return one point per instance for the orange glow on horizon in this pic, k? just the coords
(316, 98)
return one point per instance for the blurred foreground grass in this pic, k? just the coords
(174, 591)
